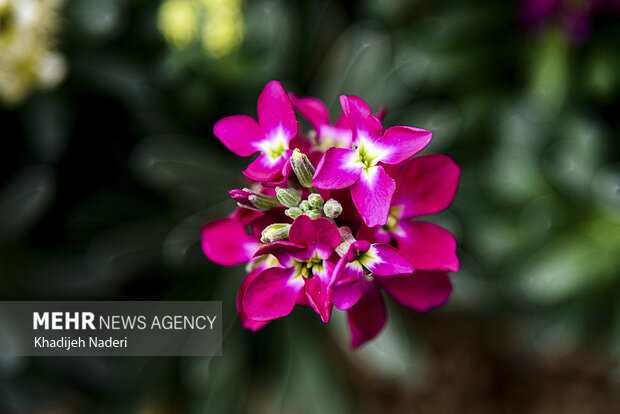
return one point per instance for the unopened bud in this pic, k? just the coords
(332, 208)
(316, 200)
(347, 240)
(288, 197)
(264, 203)
(314, 214)
(303, 168)
(305, 206)
(294, 212)
(275, 232)
(253, 200)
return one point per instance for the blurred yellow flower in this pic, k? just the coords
(28, 60)
(178, 20)
(222, 33)
(217, 23)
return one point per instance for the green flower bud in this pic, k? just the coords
(253, 200)
(294, 212)
(275, 232)
(314, 214)
(316, 200)
(332, 208)
(303, 168)
(305, 206)
(263, 202)
(288, 197)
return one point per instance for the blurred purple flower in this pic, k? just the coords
(575, 16)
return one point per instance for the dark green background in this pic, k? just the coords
(108, 179)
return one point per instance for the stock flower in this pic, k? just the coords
(365, 270)
(270, 136)
(424, 185)
(306, 265)
(294, 230)
(371, 187)
(364, 259)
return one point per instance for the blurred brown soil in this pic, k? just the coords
(482, 367)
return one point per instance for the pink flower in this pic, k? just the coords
(306, 264)
(359, 168)
(270, 136)
(424, 185)
(369, 268)
(367, 181)
(364, 258)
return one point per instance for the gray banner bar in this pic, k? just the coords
(120, 328)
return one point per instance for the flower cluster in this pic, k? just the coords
(328, 218)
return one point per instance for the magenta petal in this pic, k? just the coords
(319, 292)
(264, 168)
(375, 234)
(426, 184)
(245, 215)
(272, 294)
(367, 317)
(284, 251)
(246, 322)
(343, 122)
(239, 133)
(302, 298)
(372, 195)
(275, 112)
(337, 169)
(361, 119)
(385, 260)
(320, 234)
(421, 290)
(402, 142)
(427, 246)
(313, 109)
(225, 242)
(347, 290)
(287, 171)
(346, 296)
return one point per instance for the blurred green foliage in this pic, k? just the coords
(109, 178)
